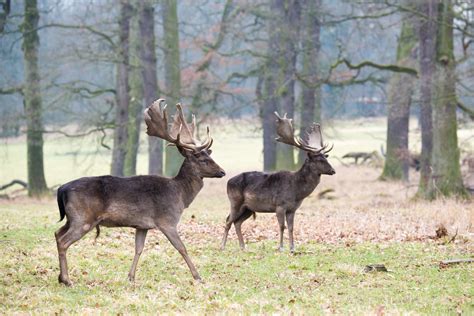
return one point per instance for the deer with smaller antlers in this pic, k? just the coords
(141, 202)
(281, 192)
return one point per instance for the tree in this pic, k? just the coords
(311, 86)
(427, 29)
(136, 96)
(150, 82)
(33, 101)
(172, 88)
(446, 177)
(123, 91)
(287, 14)
(279, 80)
(401, 88)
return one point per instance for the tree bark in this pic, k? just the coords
(311, 88)
(427, 29)
(446, 177)
(172, 87)
(396, 165)
(136, 96)
(269, 106)
(150, 82)
(33, 102)
(123, 90)
(287, 14)
(269, 98)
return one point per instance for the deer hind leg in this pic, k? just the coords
(140, 236)
(65, 237)
(280, 214)
(62, 254)
(171, 233)
(235, 212)
(238, 226)
(290, 217)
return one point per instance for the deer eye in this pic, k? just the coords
(204, 162)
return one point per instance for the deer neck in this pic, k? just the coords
(189, 182)
(307, 179)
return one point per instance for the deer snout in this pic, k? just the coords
(332, 172)
(220, 173)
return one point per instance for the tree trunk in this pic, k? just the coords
(311, 88)
(173, 159)
(32, 101)
(446, 175)
(150, 83)
(136, 97)
(123, 98)
(269, 86)
(287, 13)
(269, 106)
(396, 165)
(427, 41)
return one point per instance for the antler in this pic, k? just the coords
(180, 134)
(313, 141)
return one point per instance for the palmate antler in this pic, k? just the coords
(180, 134)
(312, 142)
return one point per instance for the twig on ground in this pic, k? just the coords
(447, 263)
(453, 238)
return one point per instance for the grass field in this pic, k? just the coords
(364, 221)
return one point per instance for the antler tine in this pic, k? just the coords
(186, 131)
(325, 151)
(156, 120)
(286, 132)
(315, 140)
(208, 143)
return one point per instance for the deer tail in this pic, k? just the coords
(62, 196)
(97, 233)
(254, 215)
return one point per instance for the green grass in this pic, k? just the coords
(319, 278)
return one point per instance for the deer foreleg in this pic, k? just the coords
(290, 216)
(280, 214)
(140, 236)
(172, 234)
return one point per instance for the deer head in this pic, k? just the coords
(183, 135)
(312, 143)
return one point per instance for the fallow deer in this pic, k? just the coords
(281, 192)
(141, 202)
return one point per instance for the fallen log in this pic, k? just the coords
(13, 182)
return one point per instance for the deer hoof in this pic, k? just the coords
(64, 281)
(281, 249)
(131, 278)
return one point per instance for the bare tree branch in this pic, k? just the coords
(368, 63)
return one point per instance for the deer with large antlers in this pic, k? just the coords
(141, 202)
(281, 192)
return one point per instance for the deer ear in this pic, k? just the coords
(185, 153)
